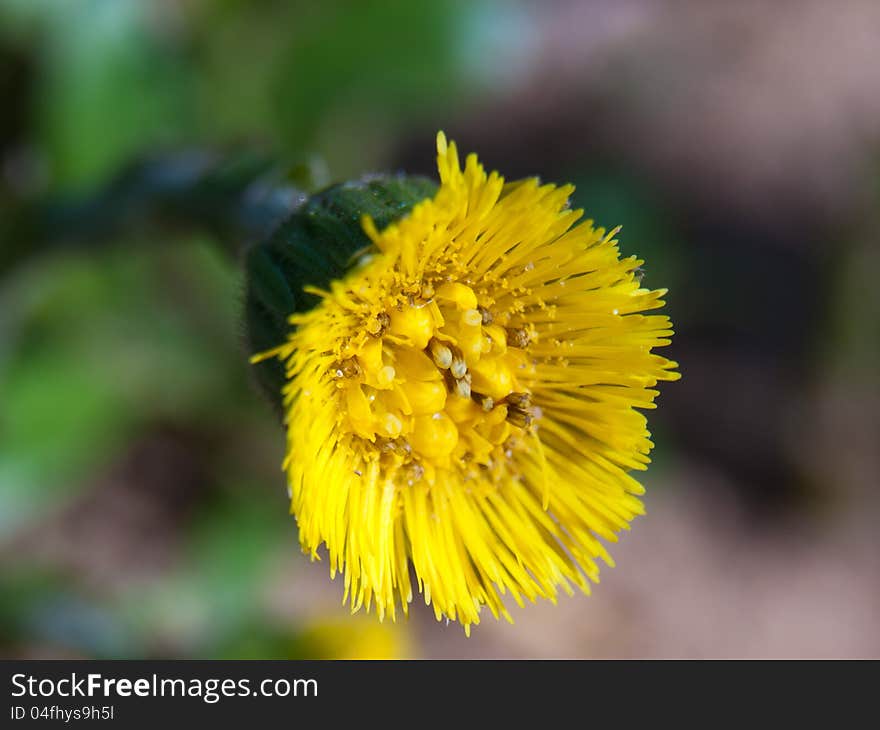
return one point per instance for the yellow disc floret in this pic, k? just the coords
(429, 382)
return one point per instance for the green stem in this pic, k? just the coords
(238, 199)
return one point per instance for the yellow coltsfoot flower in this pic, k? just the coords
(460, 403)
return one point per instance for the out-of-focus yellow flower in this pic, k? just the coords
(333, 639)
(463, 401)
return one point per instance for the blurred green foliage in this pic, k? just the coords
(117, 77)
(97, 349)
(111, 83)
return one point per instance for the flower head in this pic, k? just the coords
(461, 404)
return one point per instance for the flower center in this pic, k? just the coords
(433, 381)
